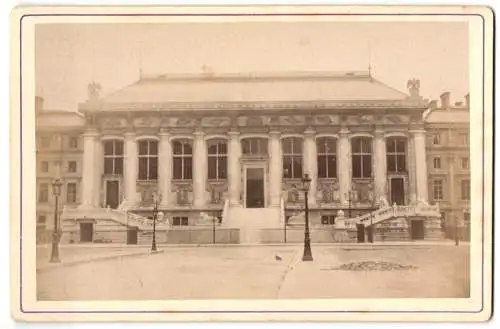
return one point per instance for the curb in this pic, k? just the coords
(92, 260)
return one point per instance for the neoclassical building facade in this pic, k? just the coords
(236, 147)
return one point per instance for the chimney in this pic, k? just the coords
(467, 102)
(38, 104)
(445, 100)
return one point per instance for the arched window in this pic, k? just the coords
(361, 157)
(183, 160)
(327, 157)
(113, 157)
(292, 157)
(396, 154)
(217, 159)
(148, 160)
(254, 146)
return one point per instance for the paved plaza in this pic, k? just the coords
(253, 272)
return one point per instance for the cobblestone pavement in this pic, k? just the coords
(254, 272)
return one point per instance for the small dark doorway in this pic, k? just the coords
(86, 232)
(397, 191)
(132, 235)
(255, 188)
(417, 229)
(112, 193)
(369, 233)
(361, 232)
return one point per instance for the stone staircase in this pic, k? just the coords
(251, 221)
(120, 217)
(392, 212)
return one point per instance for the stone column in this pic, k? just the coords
(164, 168)
(89, 170)
(99, 165)
(234, 155)
(311, 163)
(275, 169)
(380, 177)
(421, 165)
(199, 170)
(412, 184)
(130, 170)
(344, 156)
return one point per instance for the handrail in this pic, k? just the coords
(386, 213)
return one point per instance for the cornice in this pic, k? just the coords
(306, 105)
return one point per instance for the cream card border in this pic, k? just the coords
(24, 304)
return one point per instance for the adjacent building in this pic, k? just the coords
(448, 153)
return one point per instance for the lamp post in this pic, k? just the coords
(156, 198)
(457, 240)
(306, 184)
(349, 195)
(56, 234)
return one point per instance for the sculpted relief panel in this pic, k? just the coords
(216, 121)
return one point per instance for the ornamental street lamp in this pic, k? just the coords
(306, 184)
(156, 198)
(56, 234)
(349, 195)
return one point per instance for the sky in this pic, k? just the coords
(70, 56)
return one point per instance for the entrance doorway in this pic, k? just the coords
(86, 232)
(417, 229)
(397, 191)
(361, 233)
(112, 193)
(255, 188)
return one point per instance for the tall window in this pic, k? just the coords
(464, 139)
(292, 157)
(217, 159)
(41, 219)
(361, 157)
(436, 139)
(437, 189)
(44, 166)
(183, 159)
(72, 166)
(71, 193)
(465, 189)
(437, 163)
(43, 192)
(254, 146)
(44, 142)
(148, 160)
(396, 154)
(73, 142)
(113, 157)
(327, 157)
(464, 162)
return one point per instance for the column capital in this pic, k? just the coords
(344, 131)
(233, 133)
(199, 133)
(164, 132)
(129, 134)
(309, 132)
(275, 133)
(417, 131)
(91, 133)
(379, 132)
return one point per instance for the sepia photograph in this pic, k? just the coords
(233, 157)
